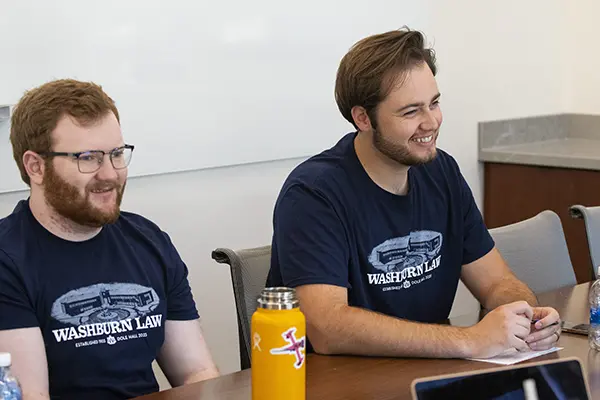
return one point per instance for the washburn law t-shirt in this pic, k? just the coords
(398, 255)
(101, 304)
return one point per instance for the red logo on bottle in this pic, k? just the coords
(295, 346)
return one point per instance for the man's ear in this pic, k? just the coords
(35, 166)
(361, 118)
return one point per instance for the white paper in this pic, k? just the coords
(512, 356)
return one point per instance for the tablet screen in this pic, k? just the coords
(556, 380)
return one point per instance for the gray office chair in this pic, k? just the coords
(536, 251)
(591, 218)
(249, 269)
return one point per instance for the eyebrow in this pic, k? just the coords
(417, 105)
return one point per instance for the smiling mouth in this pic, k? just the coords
(424, 139)
(102, 190)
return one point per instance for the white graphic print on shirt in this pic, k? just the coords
(106, 313)
(406, 261)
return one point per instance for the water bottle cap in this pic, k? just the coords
(5, 360)
(278, 298)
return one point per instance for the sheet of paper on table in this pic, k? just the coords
(513, 356)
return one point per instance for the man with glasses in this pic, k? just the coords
(89, 295)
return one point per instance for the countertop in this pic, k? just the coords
(564, 141)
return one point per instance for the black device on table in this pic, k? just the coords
(579, 329)
(548, 380)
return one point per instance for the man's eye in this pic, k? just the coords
(87, 157)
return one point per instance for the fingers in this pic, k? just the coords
(544, 344)
(546, 330)
(510, 326)
(521, 307)
(521, 332)
(524, 322)
(545, 338)
(516, 324)
(546, 316)
(543, 333)
(519, 344)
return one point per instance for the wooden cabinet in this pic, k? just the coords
(513, 193)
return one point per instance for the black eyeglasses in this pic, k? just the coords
(91, 161)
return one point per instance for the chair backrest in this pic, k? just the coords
(591, 217)
(536, 251)
(249, 270)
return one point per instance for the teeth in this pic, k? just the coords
(425, 139)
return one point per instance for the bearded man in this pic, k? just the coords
(89, 296)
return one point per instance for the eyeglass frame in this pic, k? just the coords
(76, 156)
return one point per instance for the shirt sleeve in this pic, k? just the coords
(312, 245)
(16, 309)
(180, 301)
(477, 241)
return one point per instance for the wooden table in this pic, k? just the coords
(348, 378)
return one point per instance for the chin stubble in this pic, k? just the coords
(398, 152)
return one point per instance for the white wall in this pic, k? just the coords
(582, 41)
(216, 75)
(498, 60)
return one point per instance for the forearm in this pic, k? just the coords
(34, 395)
(351, 330)
(507, 291)
(184, 356)
(29, 363)
(185, 368)
(207, 373)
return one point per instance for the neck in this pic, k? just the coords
(385, 172)
(55, 223)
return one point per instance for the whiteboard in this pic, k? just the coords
(198, 83)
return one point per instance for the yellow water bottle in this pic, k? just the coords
(278, 347)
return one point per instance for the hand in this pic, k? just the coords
(503, 328)
(546, 331)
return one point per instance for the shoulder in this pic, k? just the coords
(442, 167)
(14, 229)
(14, 220)
(135, 226)
(138, 222)
(325, 172)
(142, 234)
(444, 161)
(15, 245)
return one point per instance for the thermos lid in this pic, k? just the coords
(278, 298)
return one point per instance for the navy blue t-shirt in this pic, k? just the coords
(101, 304)
(397, 255)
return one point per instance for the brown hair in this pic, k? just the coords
(373, 66)
(39, 110)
